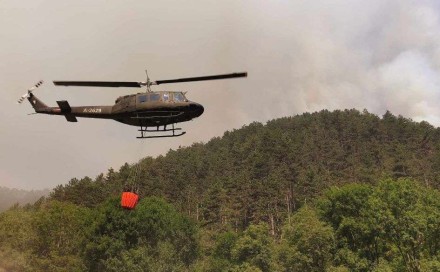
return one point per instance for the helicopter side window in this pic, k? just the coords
(154, 97)
(178, 97)
(166, 97)
(143, 98)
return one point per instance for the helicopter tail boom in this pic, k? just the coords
(36, 103)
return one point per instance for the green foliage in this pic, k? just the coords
(251, 249)
(253, 193)
(16, 236)
(222, 258)
(60, 236)
(346, 209)
(245, 267)
(254, 246)
(266, 172)
(307, 243)
(225, 243)
(154, 231)
(432, 265)
(164, 257)
(84, 192)
(338, 269)
(59, 232)
(393, 225)
(408, 215)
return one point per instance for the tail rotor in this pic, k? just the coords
(29, 92)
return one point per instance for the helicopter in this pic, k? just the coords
(153, 111)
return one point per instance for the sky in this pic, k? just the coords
(301, 56)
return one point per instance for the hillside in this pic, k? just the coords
(326, 191)
(10, 197)
(263, 172)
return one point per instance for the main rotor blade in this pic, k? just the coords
(131, 84)
(189, 79)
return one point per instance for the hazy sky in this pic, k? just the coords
(300, 56)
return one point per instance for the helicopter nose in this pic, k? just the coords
(197, 108)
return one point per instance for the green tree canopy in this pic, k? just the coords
(120, 237)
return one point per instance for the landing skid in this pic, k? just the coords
(144, 131)
(158, 130)
(161, 136)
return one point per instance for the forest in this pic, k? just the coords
(325, 191)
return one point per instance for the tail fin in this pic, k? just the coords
(66, 109)
(36, 103)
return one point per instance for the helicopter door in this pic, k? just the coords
(131, 105)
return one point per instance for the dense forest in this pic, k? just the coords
(326, 191)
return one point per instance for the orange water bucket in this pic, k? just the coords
(129, 200)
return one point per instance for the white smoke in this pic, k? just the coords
(378, 55)
(300, 56)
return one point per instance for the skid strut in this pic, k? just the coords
(144, 130)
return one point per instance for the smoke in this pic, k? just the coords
(300, 56)
(378, 55)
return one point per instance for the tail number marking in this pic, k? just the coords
(92, 110)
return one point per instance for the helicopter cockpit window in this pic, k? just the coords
(178, 97)
(154, 97)
(166, 97)
(143, 98)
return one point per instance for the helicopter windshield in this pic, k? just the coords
(178, 97)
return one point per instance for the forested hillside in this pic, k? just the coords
(327, 191)
(263, 172)
(10, 197)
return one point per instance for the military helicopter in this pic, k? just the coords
(152, 111)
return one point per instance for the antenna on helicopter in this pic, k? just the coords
(29, 92)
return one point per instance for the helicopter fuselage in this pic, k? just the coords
(149, 109)
(146, 110)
